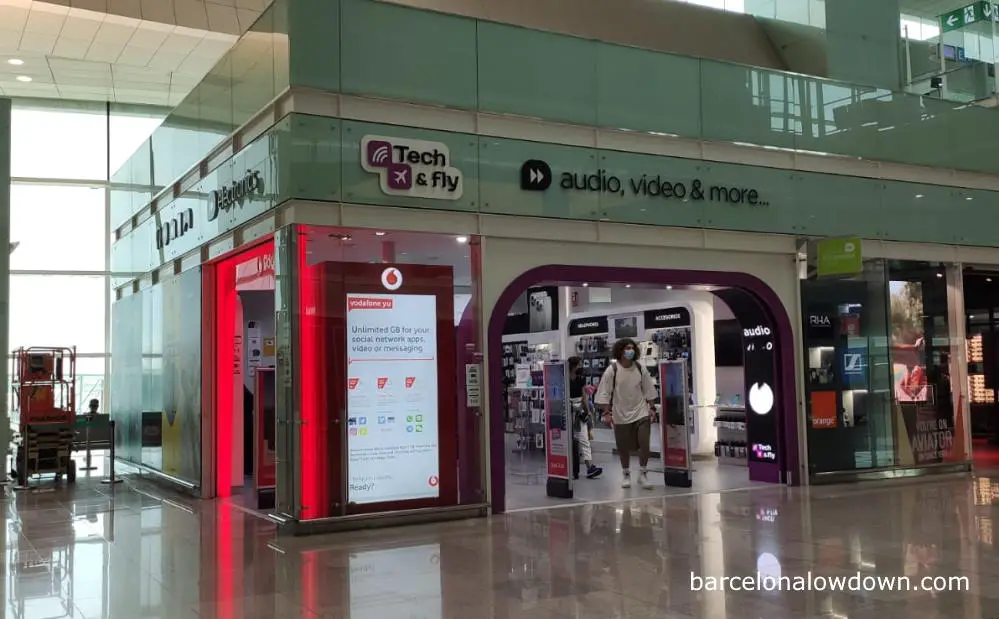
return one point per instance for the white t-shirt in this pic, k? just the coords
(633, 389)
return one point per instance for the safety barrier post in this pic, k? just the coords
(111, 480)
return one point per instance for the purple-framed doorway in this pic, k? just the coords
(571, 275)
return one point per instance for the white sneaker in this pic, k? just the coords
(626, 482)
(643, 480)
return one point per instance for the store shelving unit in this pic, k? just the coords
(731, 444)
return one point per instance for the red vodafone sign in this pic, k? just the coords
(392, 278)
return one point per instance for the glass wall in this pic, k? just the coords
(60, 290)
(882, 370)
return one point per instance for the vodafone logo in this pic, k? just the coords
(392, 278)
(434, 481)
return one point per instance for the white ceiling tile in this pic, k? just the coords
(44, 23)
(222, 2)
(100, 52)
(113, 34)
(93, 81)
(9, 39)
(178, 43)
(166, 61)
(71, 48)
(126, 8)
(191, 14)
(81, 27)
(246, 18)
(222, 18)
(81, 67)
(148, 38)
(50, 6)
(36, 42)
(158, 11)
(90, 5)
(136, 56)
(13, 18)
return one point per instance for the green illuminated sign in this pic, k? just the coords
(841, 256)
(967, 15)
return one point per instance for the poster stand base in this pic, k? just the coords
(559, 488)
(678, 478)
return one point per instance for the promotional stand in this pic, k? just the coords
(675, 399)
(558, 431)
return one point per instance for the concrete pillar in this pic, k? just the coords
(862, 39)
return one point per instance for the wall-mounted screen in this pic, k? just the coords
(392, 425)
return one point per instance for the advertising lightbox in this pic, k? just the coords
(392, 398)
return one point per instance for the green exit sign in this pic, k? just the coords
(972, 14)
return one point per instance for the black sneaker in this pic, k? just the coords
(593, 472)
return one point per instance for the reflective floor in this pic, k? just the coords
(136, 551)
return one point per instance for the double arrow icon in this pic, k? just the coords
(535, 175)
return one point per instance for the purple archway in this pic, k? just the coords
(574, 275)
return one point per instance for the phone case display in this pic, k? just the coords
(665, 344)
(730, 447)
(528, 408)
(594, 352)
(524, 415)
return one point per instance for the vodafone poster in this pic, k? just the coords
(392, 424)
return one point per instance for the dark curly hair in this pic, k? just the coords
(574, 362)
(618, 351)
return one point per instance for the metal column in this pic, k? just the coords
(4, 277)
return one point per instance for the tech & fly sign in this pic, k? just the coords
(412, 168)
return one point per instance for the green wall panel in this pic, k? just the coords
(363, 187)
(536, 73)
(647, 91)
(401, 53)
(499, 167)
(314, 157)
(314, 43)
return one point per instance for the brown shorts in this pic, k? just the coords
(633, 436)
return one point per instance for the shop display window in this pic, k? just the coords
(880, 350)
(386, 329)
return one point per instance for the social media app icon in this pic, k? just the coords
(419, 419)
(409, 419)
(363, 431)
(381, 421)
(409, 428)
(353, 431)
(363, 421)
(419, 428)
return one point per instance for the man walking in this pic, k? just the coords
(625, 396)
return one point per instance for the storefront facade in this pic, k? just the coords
(337, 207)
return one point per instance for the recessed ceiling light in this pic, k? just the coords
(939, 274)
(585, 284)
(461, 239)
(15, 61)
(988, 279)
(919, 195)
(379, 234)
(23, 78)
(669, 287)
(627, 285)
(969, 198)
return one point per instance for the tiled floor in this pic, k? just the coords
(136, 551)
(526, 479)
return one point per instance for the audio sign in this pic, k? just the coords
(171, 230)
(229, 196)
(537, 175)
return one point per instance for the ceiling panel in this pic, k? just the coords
(130, 51)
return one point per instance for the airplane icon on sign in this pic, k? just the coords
(400, 176)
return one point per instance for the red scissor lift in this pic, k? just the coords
(45, 408)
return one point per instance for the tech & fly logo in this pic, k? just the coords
(412, 168)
